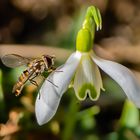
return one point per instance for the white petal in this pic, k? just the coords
(51, 92)
(43, 111)
(61, 77)
(123, 76)
(87, 79)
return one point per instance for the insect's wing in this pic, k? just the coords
(14, 60)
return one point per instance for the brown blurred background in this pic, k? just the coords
(47, 22)
(34, 27)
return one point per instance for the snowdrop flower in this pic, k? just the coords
(82, 69)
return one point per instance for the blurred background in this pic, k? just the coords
(32, 28)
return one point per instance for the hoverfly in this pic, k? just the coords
(35, 67)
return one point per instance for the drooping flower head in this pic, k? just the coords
(82, 70)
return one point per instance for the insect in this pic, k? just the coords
(35, 67)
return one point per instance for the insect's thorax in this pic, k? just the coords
(36, 66)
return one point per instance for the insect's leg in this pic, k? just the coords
(33, 81)
(48, 81)
(58, 71)
(54, 69)
(52, 83)
(51, 69)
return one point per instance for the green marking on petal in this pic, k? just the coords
(89, 89)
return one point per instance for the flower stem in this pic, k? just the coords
(92, 18)
(70, 119)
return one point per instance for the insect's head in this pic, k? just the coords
(49, 60)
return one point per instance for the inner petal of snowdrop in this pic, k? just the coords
(87, 79)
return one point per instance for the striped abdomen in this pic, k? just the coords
(20, 83)
(34, 69)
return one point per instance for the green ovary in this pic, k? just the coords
(84, 41)
(89, 89)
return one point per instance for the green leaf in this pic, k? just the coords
(130, 115)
